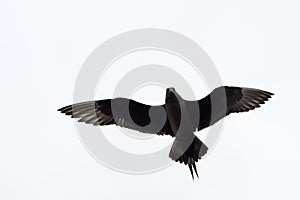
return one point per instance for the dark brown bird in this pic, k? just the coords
(178, 117)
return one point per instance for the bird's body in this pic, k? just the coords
(178, 117)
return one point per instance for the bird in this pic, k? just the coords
(178, 117)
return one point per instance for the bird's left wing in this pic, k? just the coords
(122, 112)
(223, 101)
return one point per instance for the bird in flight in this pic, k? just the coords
(178, 117)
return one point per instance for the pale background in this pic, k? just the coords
(43, 45)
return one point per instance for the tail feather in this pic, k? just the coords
(195, 168)
(191, 169)
(188, 156)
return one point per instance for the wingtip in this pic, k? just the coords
(61, 109)
(267, 93)
(64, 109)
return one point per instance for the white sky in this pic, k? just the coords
(43, 45)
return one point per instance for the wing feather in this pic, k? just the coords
(121, 112)
(225, 100)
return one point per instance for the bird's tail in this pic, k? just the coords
(188, 155)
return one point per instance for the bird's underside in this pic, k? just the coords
(178, 118)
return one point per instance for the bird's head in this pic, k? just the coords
(172, 94)
(170, 90)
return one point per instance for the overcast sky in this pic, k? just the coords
(43, 46)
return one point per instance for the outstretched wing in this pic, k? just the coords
(225, 100)
(122, 112)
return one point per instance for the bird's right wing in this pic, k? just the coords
(225, 100)
(122, 112)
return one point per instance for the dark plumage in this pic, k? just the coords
(178, 118)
